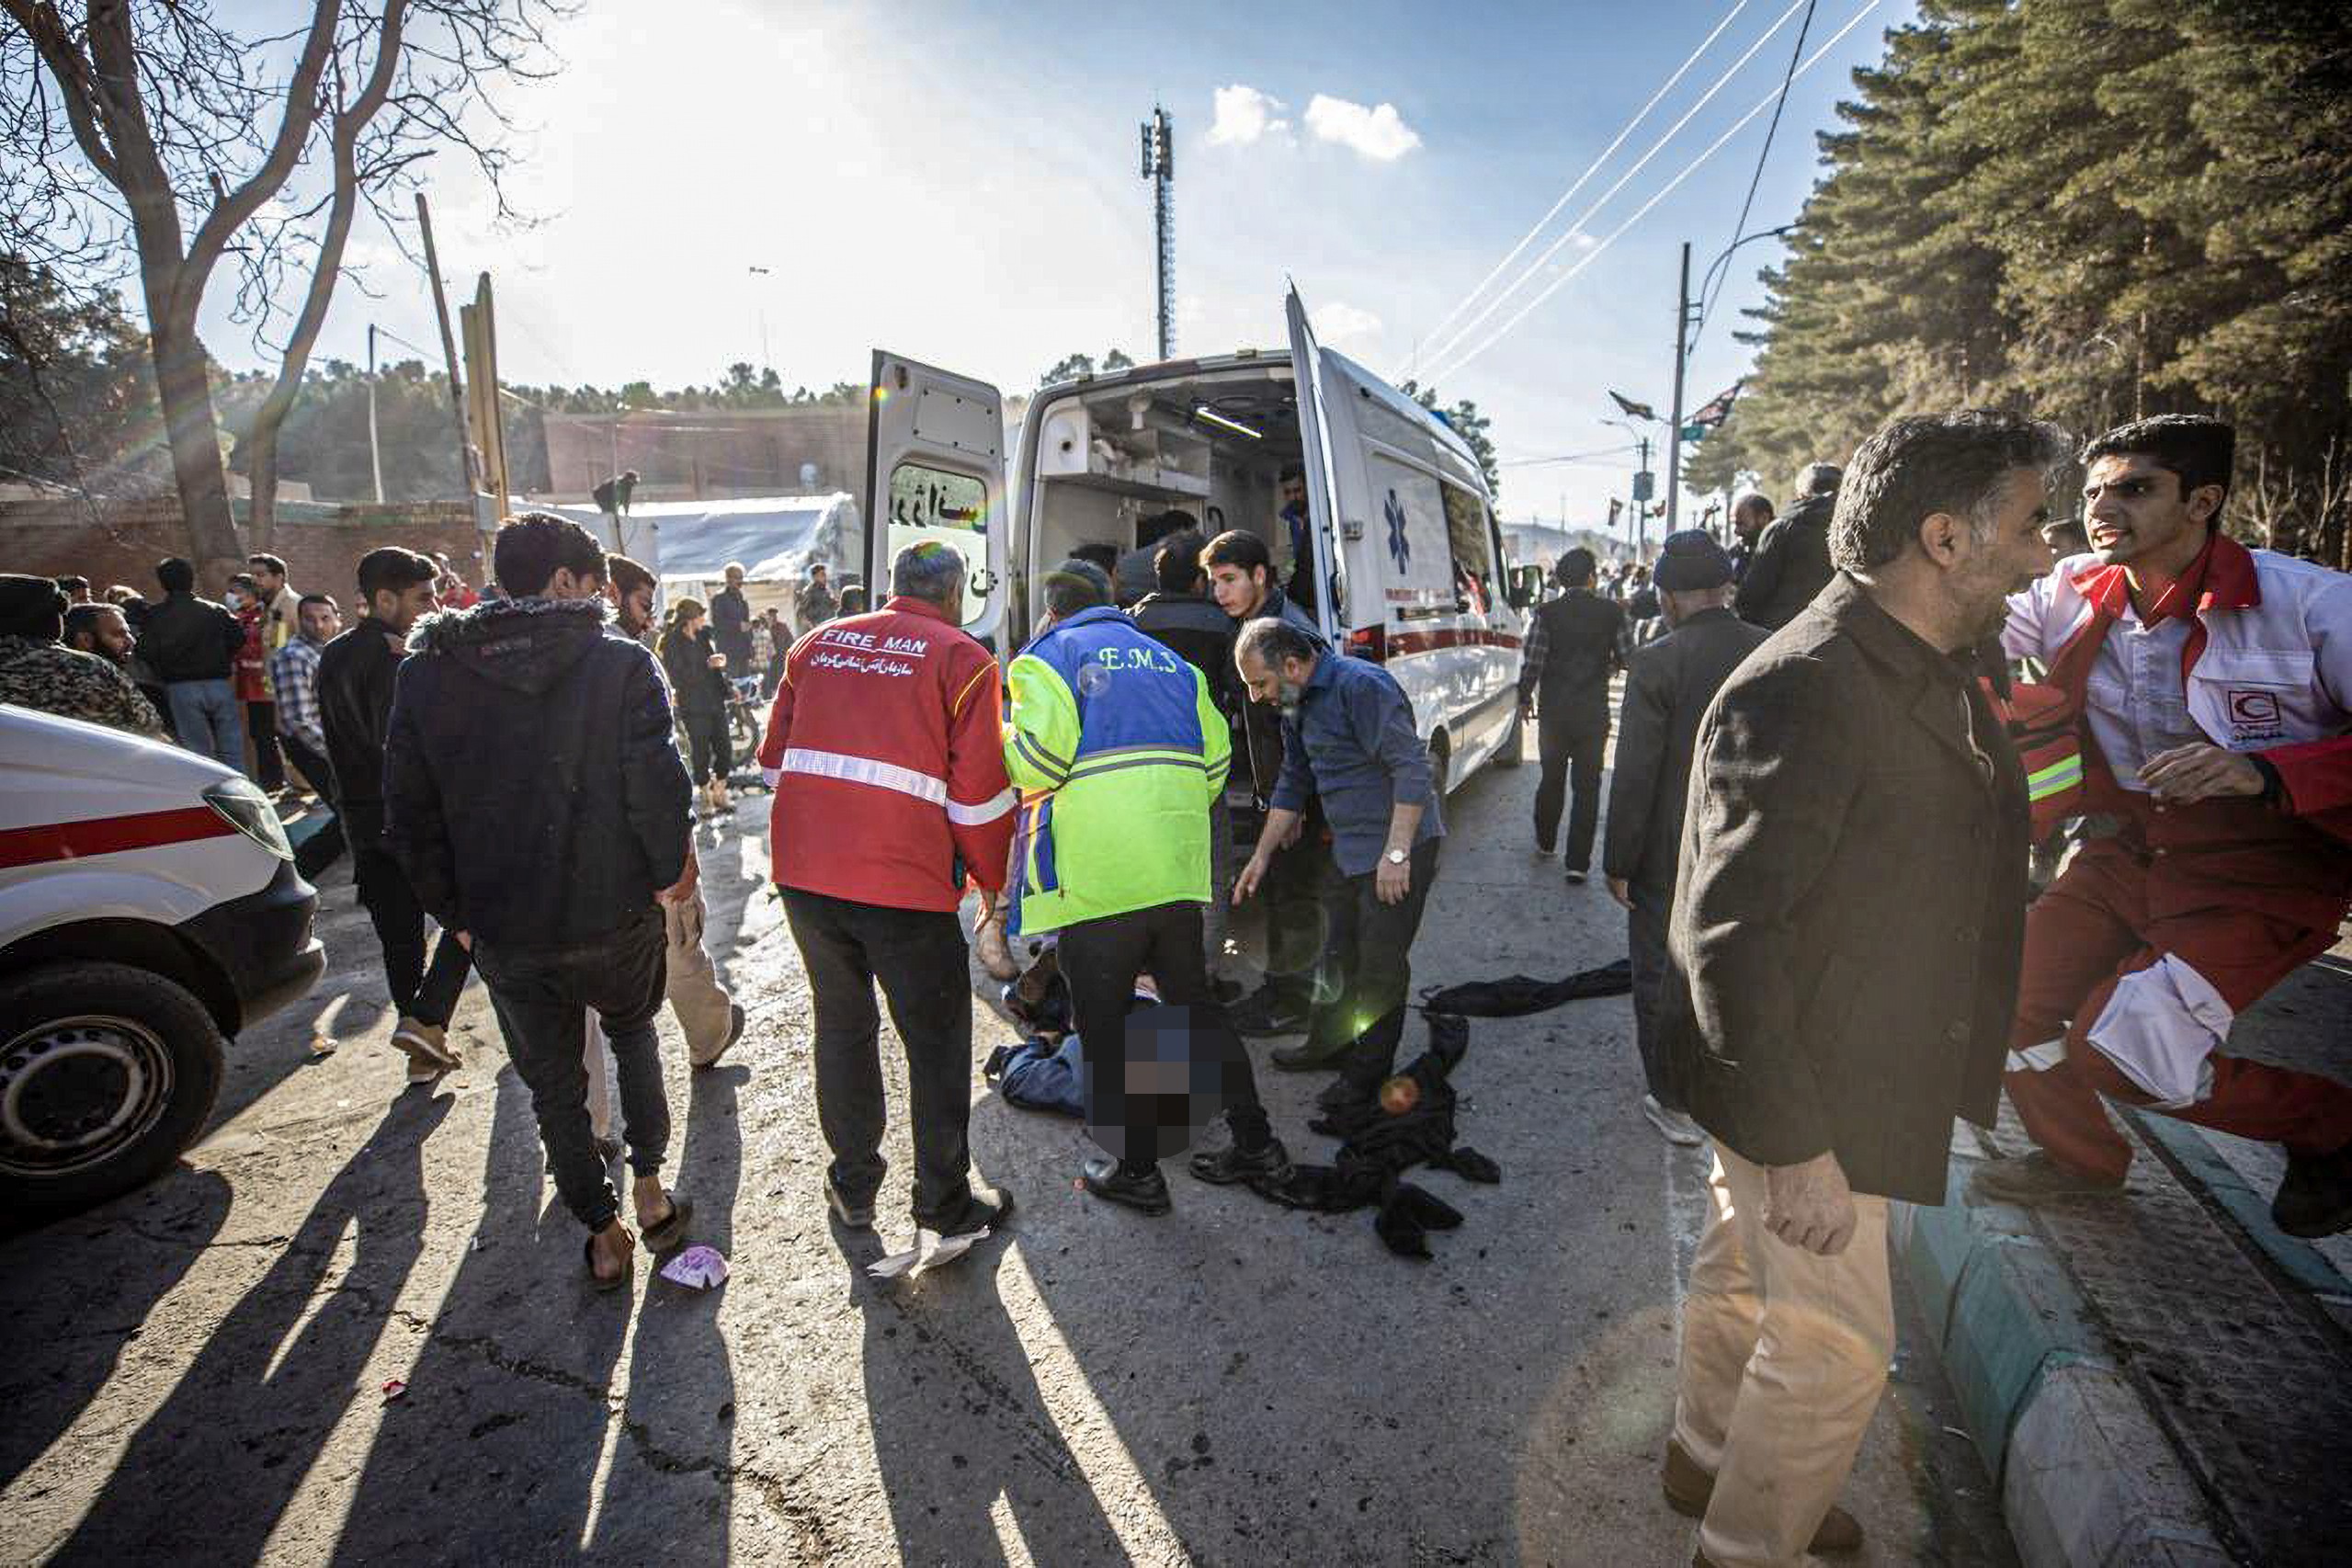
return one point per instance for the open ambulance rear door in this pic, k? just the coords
(1314, 432)
(935, 471)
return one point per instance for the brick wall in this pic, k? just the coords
(322, 546)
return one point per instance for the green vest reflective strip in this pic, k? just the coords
(2063, 774)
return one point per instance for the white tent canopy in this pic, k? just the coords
(776, 538)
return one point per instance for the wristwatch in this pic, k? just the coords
(1395, 857)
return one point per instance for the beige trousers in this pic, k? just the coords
(1784, 1355)
(705, 1011)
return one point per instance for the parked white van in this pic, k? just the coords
(149, 909)
(1411, 569)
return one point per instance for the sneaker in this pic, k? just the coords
(2315, 1200)
(984, 1209)
(1222, 1167)
(1674, 1125)
(1146, 1194)
(1688, 1488)
(1576, 878)
(855, 1216)
(1263, 1013)
(2037, 1178)
(426, 1045)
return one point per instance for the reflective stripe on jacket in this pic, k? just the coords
(1120, 757)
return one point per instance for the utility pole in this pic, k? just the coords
(1159, 167)
(1641, 501)
(1674, 426)
(375, 447)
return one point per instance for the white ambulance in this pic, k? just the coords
(149, 910)
(1410, 565)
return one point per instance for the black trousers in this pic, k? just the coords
(1646, 932)
(1102, 959)
(1571, 742)
(325, 847)
(920, 960)
(1370, 957)
(709, 754)
(261, 726)
(427, 993)
(542, 997)
(1298, 882)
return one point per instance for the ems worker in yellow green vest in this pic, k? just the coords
(1119, 755)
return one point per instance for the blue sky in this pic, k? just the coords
(958, 183)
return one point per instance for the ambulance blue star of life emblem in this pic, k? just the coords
(1399, 548)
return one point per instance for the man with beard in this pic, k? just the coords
(2214, 685)
(1843, 964)
(38, 670)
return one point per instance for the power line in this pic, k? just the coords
(1592, 169)
(1575, 228)
(1597, 251)
(1707, 307)
(1569, 456)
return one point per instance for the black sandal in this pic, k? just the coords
(597, 1281)
(672, 1228)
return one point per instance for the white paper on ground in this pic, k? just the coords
(930, 1250)
(698, 1266)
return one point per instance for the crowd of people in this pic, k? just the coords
(1819, 825)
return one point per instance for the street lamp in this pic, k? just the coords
(1685, 345)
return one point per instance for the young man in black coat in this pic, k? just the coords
(535, 795)
(356, 672)
(1574, 646)
(1668, 688)
(1844, 947)
(1791, 560)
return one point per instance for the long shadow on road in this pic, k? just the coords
(222, 1457)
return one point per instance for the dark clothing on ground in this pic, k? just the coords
(920, 960)
(542, 994)
(1667, 689)
(730, 627)
(1570, 652)
(425, 992)
(1517, 995)
(1352, 746)
(1197, 629)
(1381, 1145)
(533, 790)
(1368, 951)
(1102, 959)
(186, 638)
(1851, 904)
(355, 687)
(1789, 566)
(1571, 740)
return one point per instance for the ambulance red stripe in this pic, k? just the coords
(109, 835)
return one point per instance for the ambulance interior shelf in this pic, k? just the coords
(1150, 454)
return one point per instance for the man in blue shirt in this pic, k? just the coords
(1348, 739)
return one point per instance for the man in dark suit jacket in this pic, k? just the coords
(1667, 687)
(1845, 951)
(1572, 650)
(1791, 560)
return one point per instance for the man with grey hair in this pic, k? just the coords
(1790, 563)
(889, 789)
(1348, 739)
(1843, 963)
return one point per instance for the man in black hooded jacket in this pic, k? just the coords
(1791, 560)
(535, 795)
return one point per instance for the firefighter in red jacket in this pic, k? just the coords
(2215, 688)
(889, 770)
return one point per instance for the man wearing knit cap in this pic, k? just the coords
(1667, 687)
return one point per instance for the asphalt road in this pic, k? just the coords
(197, 1371)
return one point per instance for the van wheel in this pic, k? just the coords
(106, 1072)
(1507, 753)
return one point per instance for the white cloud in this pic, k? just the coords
(1377, 133)
(1339, 323)
(1245, 115)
